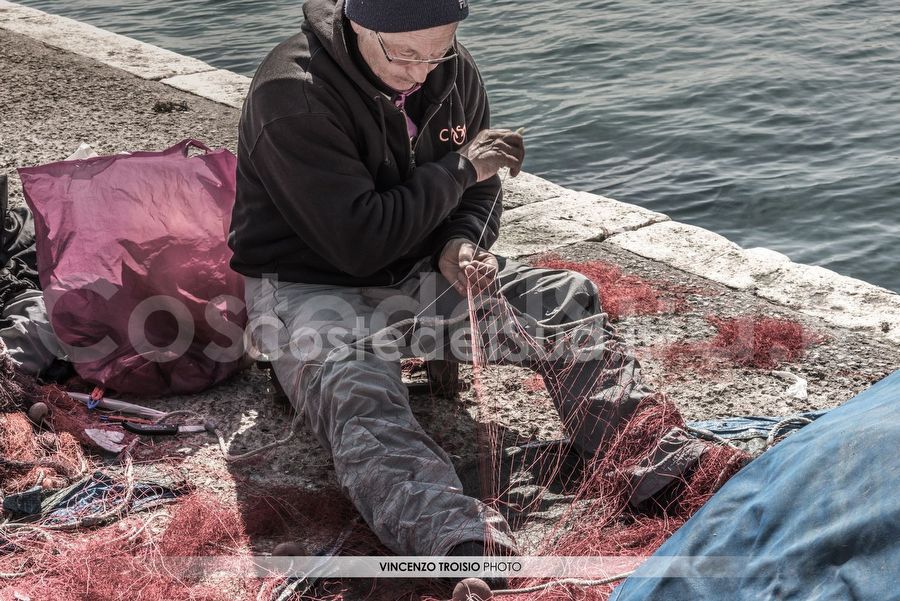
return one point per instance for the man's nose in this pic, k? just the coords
(420, 72)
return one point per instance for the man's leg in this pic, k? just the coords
(592, 378)
(402, 483)
(596, 387)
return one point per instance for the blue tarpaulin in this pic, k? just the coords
(815, 518)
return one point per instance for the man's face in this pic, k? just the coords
(397, 74)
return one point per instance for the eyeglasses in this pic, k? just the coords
(416, 61)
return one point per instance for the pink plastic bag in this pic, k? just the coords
(133, 261)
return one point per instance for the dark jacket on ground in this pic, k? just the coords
(18, 257)
(330, 188)
(24, 324)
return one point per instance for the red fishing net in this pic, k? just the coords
(130, 559)
(604, 514)
(749, 341)
(622, 294)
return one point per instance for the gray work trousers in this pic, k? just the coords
(347, 384)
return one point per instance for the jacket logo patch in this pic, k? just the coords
(457, 134)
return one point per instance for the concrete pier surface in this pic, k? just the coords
(65, 83)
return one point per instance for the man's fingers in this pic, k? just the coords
(494, 149)
(466, 253)
(481, 274)
(473, 268)
(498, 133)
(501, 146)
(492, 136)
(477, 270)
(462, 282)
(515, 140)
(519, 154)
(510, 160)
(517, 150)
(507, 154)
(477, 275)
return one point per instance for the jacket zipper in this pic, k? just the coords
(412, 147)
(424, 125)
(412, 151)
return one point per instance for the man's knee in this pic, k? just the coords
(576, 297)
(586, 293)
(360, 388)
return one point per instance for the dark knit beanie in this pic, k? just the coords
(394, 16)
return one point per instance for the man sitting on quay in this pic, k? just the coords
(368, 192)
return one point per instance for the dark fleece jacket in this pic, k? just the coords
(330, 188)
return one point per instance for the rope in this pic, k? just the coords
(580, 582)
(791, 421)
(211, 427)
(712, 437)
(12, 575)
(50, 462)
(706, 435)
(252, 453)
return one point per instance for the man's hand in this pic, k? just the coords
(464, 265)
(492, 149)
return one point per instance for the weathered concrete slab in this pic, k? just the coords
(834, 298)
(138, 58)
(573, 217)
(702, 253)
(815, 291)
(540, 226)
(220, 85)
(549, 224)
(526, 188)
(845, 363)
(11, 12)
